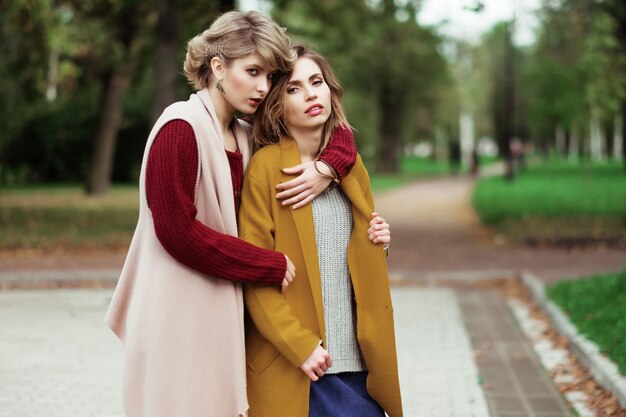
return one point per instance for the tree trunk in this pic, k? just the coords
(595, 139)
(441, 145)
(622, 116)
(503, 104)
(573, 145)
(115, 86)
(53, 72)
(509, 102)
(167, 64)
(390, 149)
(226, 5)
(618, 137)
(466, 125)
(609, 137)
(560, 140)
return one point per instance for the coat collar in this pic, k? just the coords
(240, 135)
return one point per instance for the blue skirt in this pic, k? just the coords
(342, 395)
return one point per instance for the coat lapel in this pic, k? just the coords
(303, 219)
(351, 187)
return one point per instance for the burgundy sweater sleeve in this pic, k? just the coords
(340, 153)
(170, 187)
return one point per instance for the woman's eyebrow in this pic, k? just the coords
(298, 82)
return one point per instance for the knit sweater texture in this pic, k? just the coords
(332, 215)
(170, 191)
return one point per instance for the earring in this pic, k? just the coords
(218, 86)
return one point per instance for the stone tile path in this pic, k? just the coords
(515, 383)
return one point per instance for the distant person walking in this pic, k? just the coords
(454, 157)
(326, 347)
(178, 306)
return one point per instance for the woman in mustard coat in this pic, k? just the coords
(325, 346)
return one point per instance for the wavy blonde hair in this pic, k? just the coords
(269, 120)
(235, 35)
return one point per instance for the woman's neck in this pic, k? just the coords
(309, 142)
(224, 111)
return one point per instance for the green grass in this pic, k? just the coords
(62, 218)
(597, 307)
(556, 203)
(554, 190)
(411, 168)
(420, 167)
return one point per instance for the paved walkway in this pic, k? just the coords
(58, 359)
(514, 381)
(438, 375)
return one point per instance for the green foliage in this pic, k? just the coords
(554, 190)
(55, 142)
(24, 52)
(554, 77)
(399, 88)
(600, 59)
(52, 145)
(597, 307)
(72, 47)
(578, 68)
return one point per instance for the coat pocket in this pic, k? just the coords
(259, 359)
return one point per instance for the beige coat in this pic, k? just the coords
(182, 331)
(284, 329)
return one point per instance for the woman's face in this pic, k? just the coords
(246, 82)
(307, 97)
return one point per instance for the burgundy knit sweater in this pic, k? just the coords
(170, 186)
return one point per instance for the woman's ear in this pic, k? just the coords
(217, 67)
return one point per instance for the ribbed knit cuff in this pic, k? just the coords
(341, 152)
(277, 266)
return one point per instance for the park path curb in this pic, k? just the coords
(57, 279)
(603, 369)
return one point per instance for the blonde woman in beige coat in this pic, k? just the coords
(178, 306)
(326, 347)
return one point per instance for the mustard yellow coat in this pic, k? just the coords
(282, 330)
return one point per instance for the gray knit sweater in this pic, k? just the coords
(332, 214)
